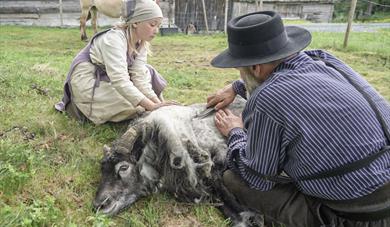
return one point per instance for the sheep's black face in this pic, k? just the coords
(125, 179)
(119, 186)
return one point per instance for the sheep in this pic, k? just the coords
(171, 150)
(89, 9)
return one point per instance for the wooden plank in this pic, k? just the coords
(19, 16)
(39, 7)
(51, 19)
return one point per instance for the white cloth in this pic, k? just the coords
(134, 11)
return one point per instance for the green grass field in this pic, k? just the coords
(49, 164)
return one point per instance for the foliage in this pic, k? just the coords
(35, 213)
(378, 12)
(49, 164)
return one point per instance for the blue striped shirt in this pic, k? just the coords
(306, 119)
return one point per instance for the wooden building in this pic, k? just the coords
(178, 13)
(312, 10)
(192, 11)
(38, 12)
(45, 13)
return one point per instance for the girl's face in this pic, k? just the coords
(147, 30)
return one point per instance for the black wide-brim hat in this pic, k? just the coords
(258, 38)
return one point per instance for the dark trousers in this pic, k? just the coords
(284, 205)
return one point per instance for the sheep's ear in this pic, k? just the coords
(106, 150)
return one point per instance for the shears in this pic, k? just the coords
(206, 112)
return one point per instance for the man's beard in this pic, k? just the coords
(251, 83)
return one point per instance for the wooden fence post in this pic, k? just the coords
(170, 13)
(61, 16)
(350, 19)
(205, 17)
(226, 14)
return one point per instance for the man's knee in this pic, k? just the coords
(227, 177)
(232, 181)
(282, 204)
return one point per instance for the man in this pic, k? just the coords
(308, 116)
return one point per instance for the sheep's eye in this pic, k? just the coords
(123, 168)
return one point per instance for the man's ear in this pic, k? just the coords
(256, 69)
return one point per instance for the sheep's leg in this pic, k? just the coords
(168, 134)
(94, 19)
(176, 153)
(177, 149)
(83, 22)
(200, 157)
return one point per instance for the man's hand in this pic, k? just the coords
(222, 98)
(225, 121)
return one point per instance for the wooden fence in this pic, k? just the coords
(178, 12)
(187, 11)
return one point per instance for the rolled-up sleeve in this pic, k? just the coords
(239, 88)
(140, 75)
(256, 150)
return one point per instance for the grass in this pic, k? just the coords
(49, 164)
(296, 21)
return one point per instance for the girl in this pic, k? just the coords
(109, 79)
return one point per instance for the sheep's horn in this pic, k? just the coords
(128, 138)
(126, 143)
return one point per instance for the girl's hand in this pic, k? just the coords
(165, 103)
(156, 100)
(149, 105)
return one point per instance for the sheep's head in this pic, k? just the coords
(125, 179)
